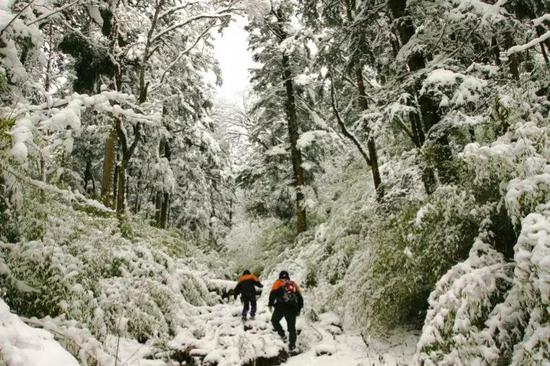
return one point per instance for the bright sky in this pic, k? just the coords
(234, 58)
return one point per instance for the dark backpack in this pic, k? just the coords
(290, 293)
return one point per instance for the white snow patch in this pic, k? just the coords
(309, 137)
(22, 345)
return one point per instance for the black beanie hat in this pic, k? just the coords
(284, 275)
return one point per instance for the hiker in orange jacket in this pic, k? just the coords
(287, 299)
(246, 286)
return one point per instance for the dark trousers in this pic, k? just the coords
(249, 303)
(290, 317)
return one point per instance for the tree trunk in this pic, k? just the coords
(88, 176)
(293, 131)
(164, 210)
(230, 213)
(422, 121)
(121, 189)
(163, 197)
(115, 185)
(108, 164)
(372, 158)
(295, 154)
(158, 205)
(138, 191)
(371, 144)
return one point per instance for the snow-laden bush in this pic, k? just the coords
(389, 282)
(460, 305)
(81, 267)
(519, 159)
(485, 311)
(377, 265)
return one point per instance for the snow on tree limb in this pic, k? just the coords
(540, 20)
(68, 195)
(15, 17)
(176, 9)
(178, 58)
(53, 12)
(222, 14)
(344, 129)
(528, 45)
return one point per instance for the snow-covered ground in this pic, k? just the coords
(22, 345)
(224, 340)
(218, 336)
(350, 350)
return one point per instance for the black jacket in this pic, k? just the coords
(246, 286)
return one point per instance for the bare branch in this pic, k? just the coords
(58, 10)
(405, 128)
(176, 9)
(16, 17)
(345, 131)
(137, 136)
(220, 15)
(178, 58)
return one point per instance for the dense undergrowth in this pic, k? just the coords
(74, 267)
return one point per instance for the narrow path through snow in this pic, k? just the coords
(224, 340)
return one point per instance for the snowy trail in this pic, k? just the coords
(218, 337)
(224, 340)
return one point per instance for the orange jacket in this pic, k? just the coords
(247, 277)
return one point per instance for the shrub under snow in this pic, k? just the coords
(130, 280)
(485, 311)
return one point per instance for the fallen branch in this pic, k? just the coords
(69, 195)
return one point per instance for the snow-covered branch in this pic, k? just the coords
(343, 127)
(178, 58)
(16, 17)
(176, 9)
(68, 195)
(528, 45)
(53, 12)
(222, 14)
(541, 20)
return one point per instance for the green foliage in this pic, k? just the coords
(412, 249)
(92, 211)
(5, 127)
(92, 61)
(3, 82)
(9, 230)
(439, 157)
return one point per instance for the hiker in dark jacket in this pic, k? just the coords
(287, 299)
(246, 286)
